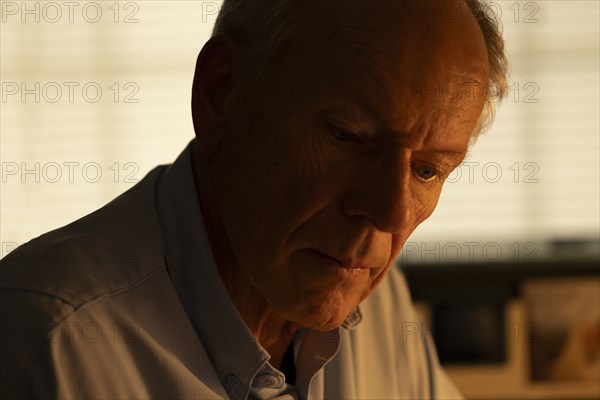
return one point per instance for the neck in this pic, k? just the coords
(272, 331)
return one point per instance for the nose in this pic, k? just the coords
(381, 194)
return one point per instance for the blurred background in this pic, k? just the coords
(95, 94)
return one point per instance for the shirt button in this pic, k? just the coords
(232, 381)
(234, 388)
(267, 380)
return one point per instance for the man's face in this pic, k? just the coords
(342, 152)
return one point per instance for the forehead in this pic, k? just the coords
(396, 59)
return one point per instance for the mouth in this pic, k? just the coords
(348, 265)
(347, 272)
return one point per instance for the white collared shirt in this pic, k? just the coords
(127, 303)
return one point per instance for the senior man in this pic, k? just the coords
(260, 264)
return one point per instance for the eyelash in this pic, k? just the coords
(355, 137)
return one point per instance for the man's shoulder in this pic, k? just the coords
(101, 253)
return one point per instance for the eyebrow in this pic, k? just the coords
(451, 157)
(362, 111)
(451, 152)
(356, 110)
(379, 119)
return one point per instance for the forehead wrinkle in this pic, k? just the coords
(393, 32)
(391, 84)
(375, 89)
(395, 116)
(359, 52)
(376, 58)
(368, 86)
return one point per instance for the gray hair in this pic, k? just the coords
(261, 27)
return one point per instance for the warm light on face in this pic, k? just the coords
(317, 193)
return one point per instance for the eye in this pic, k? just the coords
(345, 136)
(425, 172)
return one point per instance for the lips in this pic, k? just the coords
(344, 262)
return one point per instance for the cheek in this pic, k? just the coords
(425, 199)
(423, 205)
(268, 186)
(248, 190)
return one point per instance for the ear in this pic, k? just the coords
(217, 70)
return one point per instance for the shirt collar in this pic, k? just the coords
(353, 319)
(235, 353)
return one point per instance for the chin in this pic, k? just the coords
(324, 311)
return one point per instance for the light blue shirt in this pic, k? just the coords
(127, 303)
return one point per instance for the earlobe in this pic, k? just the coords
(215, 77)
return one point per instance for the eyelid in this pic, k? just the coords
(359, 136)
(348, 123)
(438, 175)
(350, 118)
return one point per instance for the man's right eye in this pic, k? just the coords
(345, 136)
